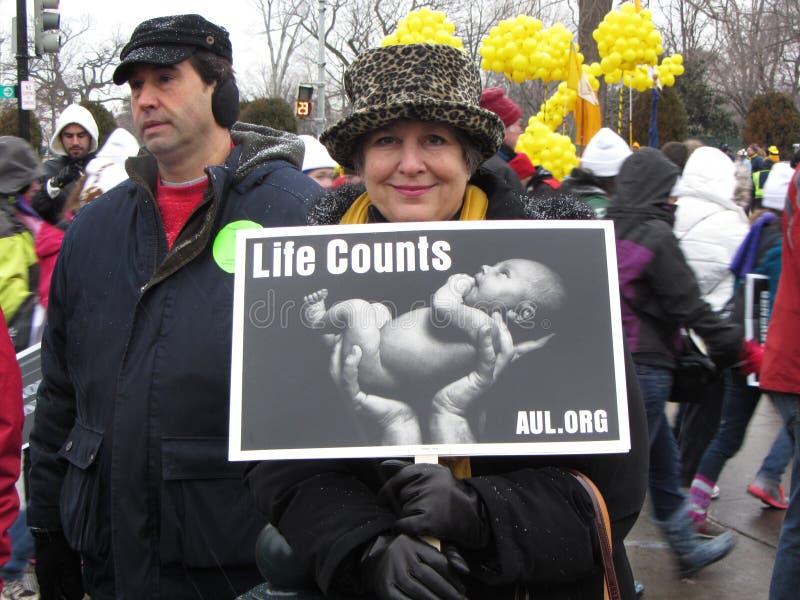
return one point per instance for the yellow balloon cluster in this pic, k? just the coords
(643, 78)
(521, 49)
(670, 68)
(557, 106)
(555, 152)
(424, 26)
(508, 46)
(625, 40)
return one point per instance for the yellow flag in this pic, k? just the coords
(587, 107)
(587, 120)
(574, 72)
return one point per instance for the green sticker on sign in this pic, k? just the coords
(224, 249)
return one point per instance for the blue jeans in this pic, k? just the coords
(21, 549)
(738, 406)
(778, 458)
(656, 384)
(786, 574)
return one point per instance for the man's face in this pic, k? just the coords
(32, 190)
(171, 108)
(324, 176)
(76, 140)
(513, 132)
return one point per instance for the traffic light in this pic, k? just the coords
(303, 106)
(46, 20)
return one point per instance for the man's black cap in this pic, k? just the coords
(170, 40)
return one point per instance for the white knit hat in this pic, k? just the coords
(316, 156)
(777, 185)
(605, 153)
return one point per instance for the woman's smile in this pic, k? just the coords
(413, 191)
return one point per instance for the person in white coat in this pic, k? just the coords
(710, 226)
(708, 223)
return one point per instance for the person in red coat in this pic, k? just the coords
(11, 418)
(780, 378)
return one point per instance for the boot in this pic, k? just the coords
(693, 551)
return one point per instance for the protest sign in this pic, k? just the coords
(30, 364)
(756, 313)
(417, 296)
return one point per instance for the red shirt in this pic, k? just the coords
(177, 203)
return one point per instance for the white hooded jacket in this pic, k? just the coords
(77, 114)
(708, 223)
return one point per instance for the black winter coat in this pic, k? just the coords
(129, 447)
(658, 289)
(542, 520)
(48, 208)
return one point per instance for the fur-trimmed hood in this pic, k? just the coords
(261, 144)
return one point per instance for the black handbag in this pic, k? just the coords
(694, 372)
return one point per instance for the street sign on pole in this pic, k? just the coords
(27, 95)
(8, 92)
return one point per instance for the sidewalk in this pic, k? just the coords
(746, 571)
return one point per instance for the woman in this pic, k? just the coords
(660, 295)
(709, 227)
(317, 163)
(760, 253)
(518, 524)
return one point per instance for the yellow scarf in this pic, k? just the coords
(473, 209)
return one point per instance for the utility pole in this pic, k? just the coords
(23, 116)
(320, 119)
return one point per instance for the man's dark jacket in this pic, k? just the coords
(129, 448)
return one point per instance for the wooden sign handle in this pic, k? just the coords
(434, 460)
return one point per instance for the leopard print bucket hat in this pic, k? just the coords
(429, 82)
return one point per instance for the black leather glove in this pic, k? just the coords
(67, 174)
(58, 567)
(430, 501)
(405, 568)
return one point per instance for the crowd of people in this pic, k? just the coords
(113, 257)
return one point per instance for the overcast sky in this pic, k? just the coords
(111, 16)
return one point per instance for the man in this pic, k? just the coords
(130, 477)
(754, 155)
(780, 377)
(74, 143)
(19, 271)
(759, 178)
(514, 167)
(595, 180)
(773, 155)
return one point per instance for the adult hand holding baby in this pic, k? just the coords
(449, 423)
(396, 420)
